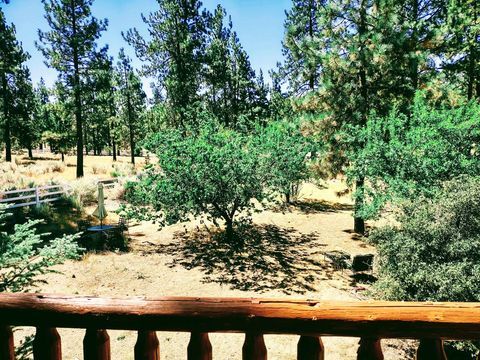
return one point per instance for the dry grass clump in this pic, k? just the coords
(84, 191)
(123, 170)
(99, 169)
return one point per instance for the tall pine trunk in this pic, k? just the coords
(359, 222)
(30, 152)
(78, 99)
(6, 129)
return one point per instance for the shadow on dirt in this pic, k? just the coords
(321, 206)
(265, 257)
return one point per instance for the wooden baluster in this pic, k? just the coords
(369, 349)
(254, 347)
(431, 349)
(96, 345)
(47, 344)
(147, 346)
(7, 351)
(310, 348)
(199, 347)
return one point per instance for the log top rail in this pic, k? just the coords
(368, 320)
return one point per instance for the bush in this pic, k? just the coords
(432, 255)
(24, 255)
(213, 172)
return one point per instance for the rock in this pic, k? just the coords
(362, 262)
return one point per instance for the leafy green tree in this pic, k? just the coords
(69, 47)
(215, 173)
(11, 58)
(407, 156)
(131, 98)
(284, 156)
(59, 121)
(174, 55)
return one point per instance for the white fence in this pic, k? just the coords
(40, 194)
(32, 196)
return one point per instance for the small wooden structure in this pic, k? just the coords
(368, 320)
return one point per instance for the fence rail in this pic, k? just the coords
(40, 194)
(370, 321)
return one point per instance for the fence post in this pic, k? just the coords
(37, 197)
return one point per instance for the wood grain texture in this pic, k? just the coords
(254, 347)
(147, 346)
(310, 348)
(96, 345)
(377, 319)
(47, 344)
(369, 349)
(199, 347)
(7, 351)
(431, 349)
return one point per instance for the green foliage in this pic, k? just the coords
(409, 156)
(24, 256)
(431, 254)
(214, 172)
(284, 150)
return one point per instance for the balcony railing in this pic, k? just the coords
(371, 321)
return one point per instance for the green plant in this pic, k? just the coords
(409, 156)
(432, 253)
(284, 151)
(213, 172)
(24, 255)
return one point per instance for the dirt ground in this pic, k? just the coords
(281, 256)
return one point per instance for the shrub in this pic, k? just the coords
(432, 254)
(213, 172)
(24, 255)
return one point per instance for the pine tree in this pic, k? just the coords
(461, 53)
(131, 99)
(301, 29)
(26, 130)
(69, 47)
(175, 54)
(11, 58)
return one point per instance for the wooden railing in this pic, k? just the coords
(370, 321)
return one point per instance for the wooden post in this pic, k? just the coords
(369, 349)
(431, 349)
(199, 347)
(147, 346)
(37, 197)
(254, 347)
(47, 344)
(96, 345)
(7, 351)
(310, 348)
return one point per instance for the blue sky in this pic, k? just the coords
(259, 24)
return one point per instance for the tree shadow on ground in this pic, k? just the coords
(321, 206)
(267, 257)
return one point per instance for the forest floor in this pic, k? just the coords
(282, 256)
